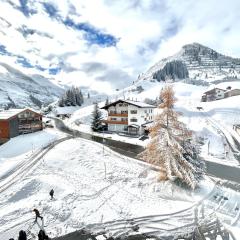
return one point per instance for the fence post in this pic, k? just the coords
(196, 216)
(202, 210)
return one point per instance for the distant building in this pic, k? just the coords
(14, 122)
(231, 93)
(64, 112)
(218, 93)
(128, 117)
(213, 94)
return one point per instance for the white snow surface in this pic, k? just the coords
(92, 185)
(20, 148)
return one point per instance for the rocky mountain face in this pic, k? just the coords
(19, 90)
(197, 64)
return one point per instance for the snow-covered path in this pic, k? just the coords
(91, 186)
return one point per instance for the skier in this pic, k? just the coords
(37, 214)
(51, 194)
(42, 235)
(22, 235)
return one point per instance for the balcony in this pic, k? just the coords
(117, 114)
(115, 122)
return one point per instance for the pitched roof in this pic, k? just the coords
(213, 90)
(6, 114)
(134, 103)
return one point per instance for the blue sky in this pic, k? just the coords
(108, 43)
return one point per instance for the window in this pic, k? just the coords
(120, 104)
(124, 112)
(145, 111)
(124, 119)
(133, 111)
(113, 119)
(133, 120)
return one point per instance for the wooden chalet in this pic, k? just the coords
(15, 122)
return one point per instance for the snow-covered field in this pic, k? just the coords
(91, 186)
(21, 148)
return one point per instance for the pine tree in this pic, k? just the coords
(88, 95)
(61, 102)
(96, 119)
(172, 146)
(106, 102)
(71, 97)
(81, 97)
(78, 96)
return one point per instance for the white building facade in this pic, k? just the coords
(127, 116)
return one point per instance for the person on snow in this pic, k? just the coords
(42, 235)
(22, 235)
(51, 193)
(37, 214)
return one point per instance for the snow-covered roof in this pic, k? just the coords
(131, 102)
(213, 90)
(6, 114)
(140, 104)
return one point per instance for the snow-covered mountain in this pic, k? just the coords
(19, 90)
(203, 64)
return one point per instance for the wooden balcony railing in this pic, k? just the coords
(118, 114)
(115, 122)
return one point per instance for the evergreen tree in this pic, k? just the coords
(173, 70)
(61, 102)
(71, 97)
(106, 102)
(96, 118)
(81, 97)
(88, 95)
(78, 96)
(172, 146)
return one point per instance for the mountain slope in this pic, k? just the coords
(19, 90)
(202, 63)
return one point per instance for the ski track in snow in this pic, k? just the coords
(75, 169)
(83, 196)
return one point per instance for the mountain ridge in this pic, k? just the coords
(202, 62)
(18, 89)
